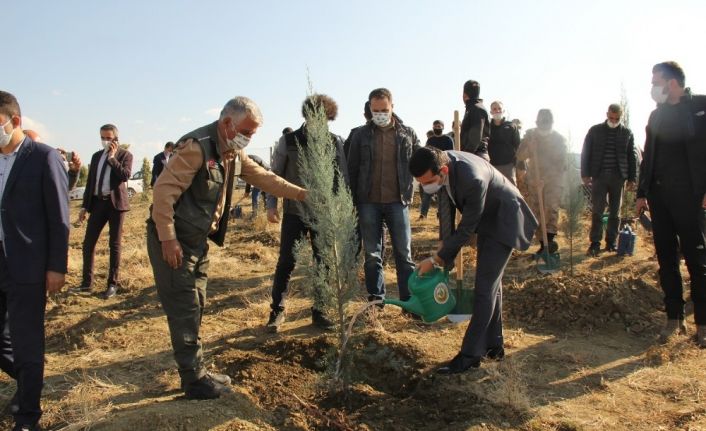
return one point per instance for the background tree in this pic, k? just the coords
(82, 175)
(628, 206)
(329, 211)
(575, 204)
(146, 178)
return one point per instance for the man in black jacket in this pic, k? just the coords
(504, 142)
(285, 163)
(160, 160)
(475, 131)
(608, 159)
(381, 187)
(673, 188)
(494, 209)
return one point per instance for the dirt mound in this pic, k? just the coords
(385, 363)
(585, 301)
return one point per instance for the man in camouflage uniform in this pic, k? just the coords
(551, 151)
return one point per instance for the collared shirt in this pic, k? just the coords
(6, 163)
(105, 187)
(384, 187)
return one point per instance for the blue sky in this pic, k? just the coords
(158, 69)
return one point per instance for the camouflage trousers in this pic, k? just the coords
(552, 194)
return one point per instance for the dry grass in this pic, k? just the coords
(86, 403)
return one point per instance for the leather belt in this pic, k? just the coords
(103, 198)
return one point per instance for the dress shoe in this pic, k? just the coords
(495, 353)
(83, 288)
(110, 291)
(459, 364)
(206, 388)
(672, 328)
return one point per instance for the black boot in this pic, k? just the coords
(594, 250)
(205, 388)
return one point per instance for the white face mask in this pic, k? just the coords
(658, 94)
(5, 137)
(498, 116)
(382, 119)
(431, 188)
(239, 142)
(106, 144)
(612, 125)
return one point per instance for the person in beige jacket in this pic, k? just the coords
(192, 197)
(545, 173)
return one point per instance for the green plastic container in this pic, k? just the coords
(431, 298)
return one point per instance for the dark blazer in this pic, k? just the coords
(121, 167)
(693, 111)
(489, 204)
(35, 214)
(157, 166)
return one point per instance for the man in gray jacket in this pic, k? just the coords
(381, 187)
(494, 209)
(285, 163)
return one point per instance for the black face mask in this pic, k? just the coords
(437, 132)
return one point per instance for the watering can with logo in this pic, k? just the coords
(431, 298)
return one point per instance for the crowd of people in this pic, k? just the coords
(495, 180)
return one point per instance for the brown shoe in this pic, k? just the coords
(672, 328)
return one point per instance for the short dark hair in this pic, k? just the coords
(109, 128)
(439, 122)
(380, 93)
(615, 108)
(9, 106)
(322, 101)
(471, 88)
(425, 159)
(287, 130)
(367, 113)
(671, 70)
(169, 144)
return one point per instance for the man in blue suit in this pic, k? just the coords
(494, 209)
(34, 243)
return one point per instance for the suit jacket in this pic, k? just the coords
(35, 214)
(157, 166)
(121, 167)
(489, 204)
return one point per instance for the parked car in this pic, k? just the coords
(76, 194)
(134, 185)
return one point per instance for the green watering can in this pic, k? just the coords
(430, 298)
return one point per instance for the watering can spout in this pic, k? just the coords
(412, 305)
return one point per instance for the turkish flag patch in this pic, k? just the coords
(211, 164)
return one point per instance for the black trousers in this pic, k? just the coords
(293, 229)
(485, 331)
(678, 221)
(606, 189)
(102, 212)
(22, 340)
